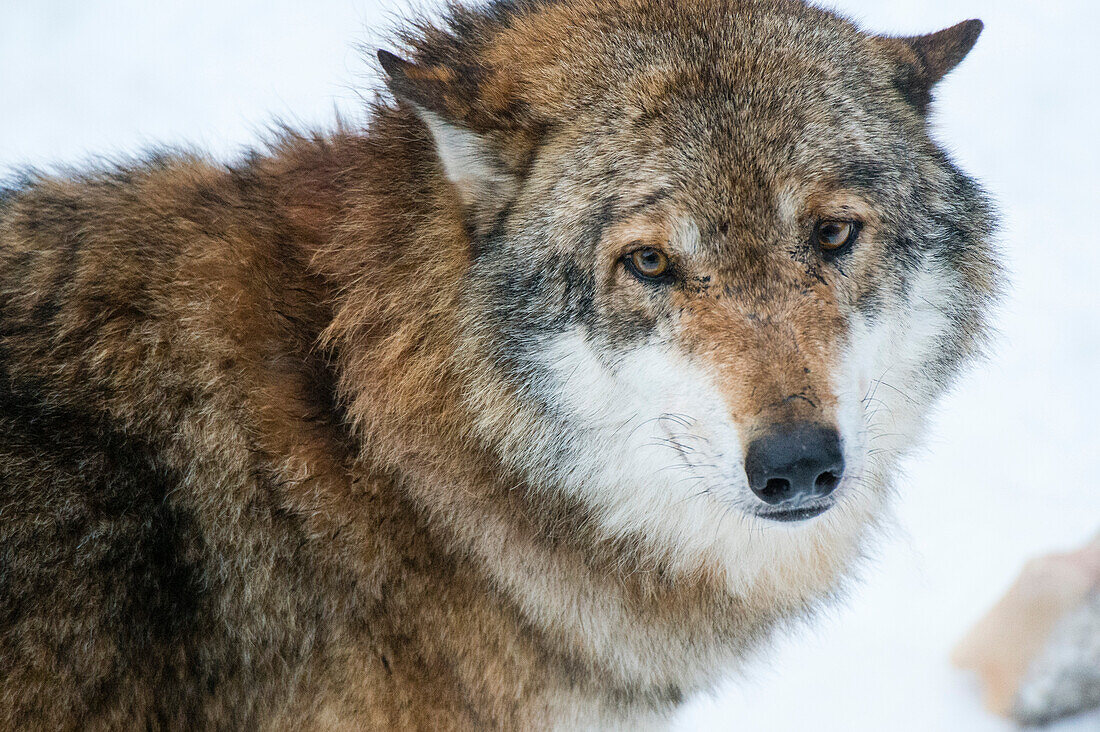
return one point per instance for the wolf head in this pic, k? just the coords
(719, 272)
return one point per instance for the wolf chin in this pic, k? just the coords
(539, 401)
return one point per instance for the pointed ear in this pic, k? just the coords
(924, 60)
(472, 154)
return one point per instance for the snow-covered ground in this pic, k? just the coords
(1007, 472)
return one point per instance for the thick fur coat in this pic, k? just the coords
(385, 429)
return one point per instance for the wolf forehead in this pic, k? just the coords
(521, 62)
(737, 102)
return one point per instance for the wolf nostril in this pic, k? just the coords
(776, 488)
(794, 463)
(826, 483)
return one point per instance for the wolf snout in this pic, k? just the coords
(793, 466)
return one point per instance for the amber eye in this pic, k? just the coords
(648, 263)
(832, 235)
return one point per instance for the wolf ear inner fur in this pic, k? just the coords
(924, 60)
(471, 159)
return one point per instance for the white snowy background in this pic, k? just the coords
(1008, 470)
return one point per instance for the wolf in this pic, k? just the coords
(539, 401)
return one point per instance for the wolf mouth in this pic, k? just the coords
(802, 513)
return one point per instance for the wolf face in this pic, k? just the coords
(720, 271)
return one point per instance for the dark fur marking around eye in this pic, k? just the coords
(597, 222)
(905, 251)
(863, 175)
(647, 202)
(559, 280)
(869, 305)
(814, 271)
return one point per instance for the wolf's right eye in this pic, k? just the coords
(648, 263)
(832, 235)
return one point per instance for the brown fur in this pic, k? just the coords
(254, 470)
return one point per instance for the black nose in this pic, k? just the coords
(794, 463)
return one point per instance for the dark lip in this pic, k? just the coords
(795, 514)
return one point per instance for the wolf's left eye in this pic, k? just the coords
(648, 263)
(832, 235)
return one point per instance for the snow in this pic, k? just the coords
(1006, 473)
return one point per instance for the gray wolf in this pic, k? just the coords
(538, 402)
